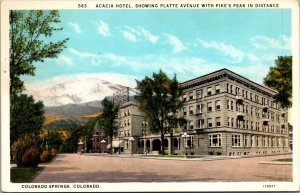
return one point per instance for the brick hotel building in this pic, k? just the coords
(226, 114)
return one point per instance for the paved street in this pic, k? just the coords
(98, 168)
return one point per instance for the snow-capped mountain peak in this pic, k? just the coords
(74, 92)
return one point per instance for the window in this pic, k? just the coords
(218, 105)
(200, 123)
(257, 112)
(189, 142)
(232, 122)
(231, 89)
(209, 107)
(218, 90)
(128, 112)
(272, 128)
(228, 121)
(232, 105)
(246, 141)
(237, 91)
(209, 122)
(236, 140)
(277, 117)
(184, 97)
(209, 91)
(191, 95)
(265, 142)
(199, 93)
(273, 142)
(128, 122)
(184, 110)
(191, 110)
(199, 108)
(215, 140)
(191, 125)
(257, 141)
(272, 116)
(228, 104)
(250, 96)
(218, 121)
(256, 98)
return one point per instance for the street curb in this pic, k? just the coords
(187, 159)
(276, 163)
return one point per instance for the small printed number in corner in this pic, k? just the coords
(268, 186)
(80, 5)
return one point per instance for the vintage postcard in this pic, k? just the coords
(126, 96)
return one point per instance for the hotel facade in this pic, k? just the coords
(227, 115)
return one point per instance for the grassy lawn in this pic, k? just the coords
(22, 175)
(283, 160)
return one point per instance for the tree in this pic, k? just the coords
(29, 35)
(53, 140)
(26, 116)
(279, 78)
(29, 43)
(159, 99)
(108, 118)
(70, 145)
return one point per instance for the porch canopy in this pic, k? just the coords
(118, 143)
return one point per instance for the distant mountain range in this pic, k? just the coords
(77, 97)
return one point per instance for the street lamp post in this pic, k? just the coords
(185, 136)
(144, 135)
(119, 149)
(85, 147)
(80, 143)
(131, 139)
(102, 143)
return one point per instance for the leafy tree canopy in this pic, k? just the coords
(29, 42)
(159, 99)
(279, 78)
(26, 116)
(108, 118)
(52, 140)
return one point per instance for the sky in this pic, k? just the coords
(123, 45)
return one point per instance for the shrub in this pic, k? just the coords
(31, 157)
(54, 152)
(26, 152)
(45, 156)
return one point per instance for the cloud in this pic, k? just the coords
(235, 54)
(129, 36)
(138, 34)
(254, 72)
(75, 27)
(66, 60)
(265, 42)
(150, 37)
(178, 46)
(82, 54)
(103, 29)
